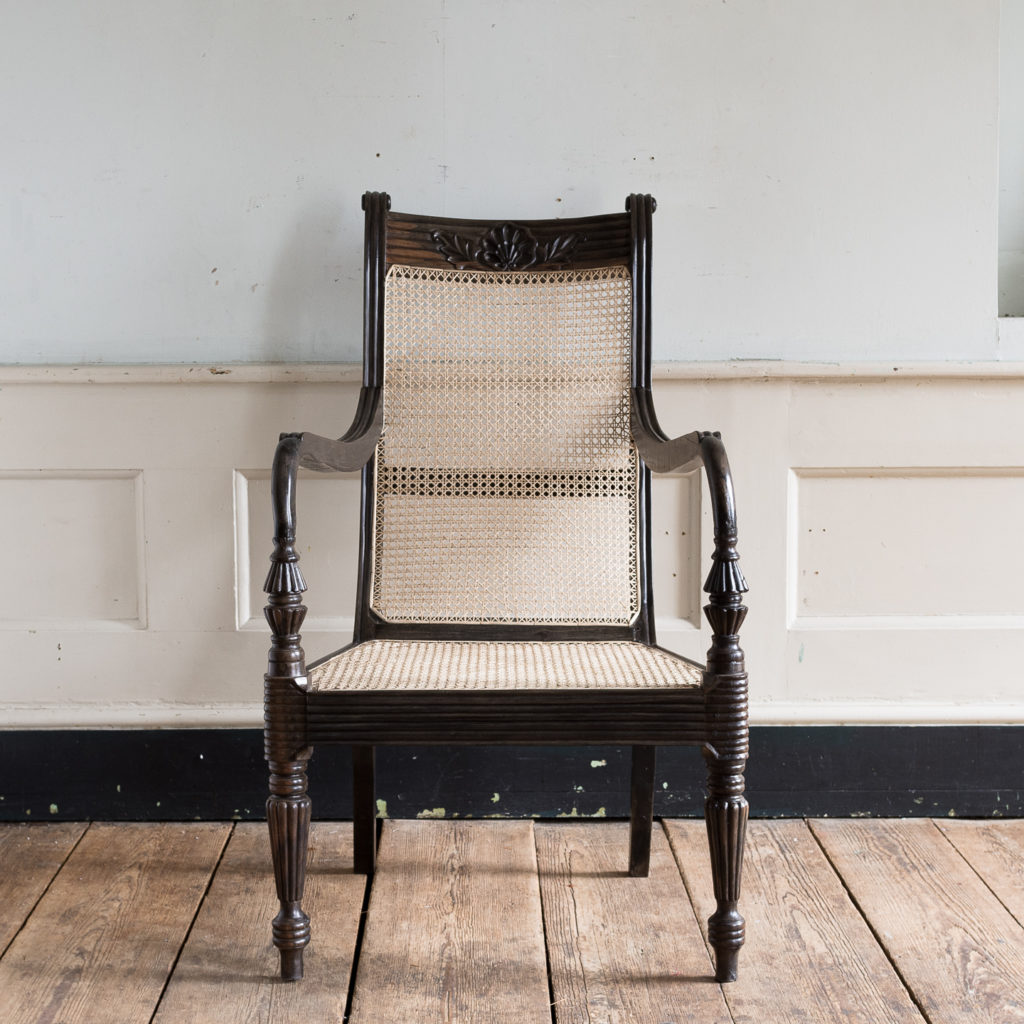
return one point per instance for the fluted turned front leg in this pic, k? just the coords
(725, 686)
(288, 813)
(725, 809)
(725, 812)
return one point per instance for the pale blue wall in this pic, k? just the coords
(182, 180)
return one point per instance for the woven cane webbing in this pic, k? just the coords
(470, 665)
(506, 486)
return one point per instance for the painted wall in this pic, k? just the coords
(181, 185)
(1011, 158)
(182, 181)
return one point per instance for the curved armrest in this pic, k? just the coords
(663, 454)
(660, 453)
(353, 449)
(311, 451)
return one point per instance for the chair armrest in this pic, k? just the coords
(353, 449)
(284, 584)
(660, 453)
(663, 454)
(311, 451)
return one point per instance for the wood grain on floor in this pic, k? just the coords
(454, 930)
(621, 948)
(228, 961)
(101, 943)
(887, 922)
(809, 955)
(957, 948)
(30, 855)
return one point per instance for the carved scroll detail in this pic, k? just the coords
(506, 247)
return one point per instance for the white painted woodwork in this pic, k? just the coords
(870, 543)
(329, 506)
(89, 519)
(917, 480)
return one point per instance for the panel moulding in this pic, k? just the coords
(80, 551)
(328, 538)
(882, 548)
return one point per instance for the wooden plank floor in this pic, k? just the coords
(854, 921)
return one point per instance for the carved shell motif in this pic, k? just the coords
(506, 247)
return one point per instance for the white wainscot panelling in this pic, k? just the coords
(905, 545)
(903, 602)
(678, 570)
(327, 542)
(76, 558)
(876, 534)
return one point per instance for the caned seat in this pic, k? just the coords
(506, 436)
(502, 665)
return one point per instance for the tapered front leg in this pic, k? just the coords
(288, 813)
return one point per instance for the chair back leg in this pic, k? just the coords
(364, 809)
(641, 810)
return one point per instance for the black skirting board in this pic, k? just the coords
(794, 771)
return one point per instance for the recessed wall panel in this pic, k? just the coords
(675, 546)
(328, 545)
(72, 554)
(907, 543)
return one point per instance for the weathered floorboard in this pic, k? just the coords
(955, 945)
(30, 855)
(454, 933)
(228, 971)
(995, 849)
(101, 942)
(622, 950)
(809, 956)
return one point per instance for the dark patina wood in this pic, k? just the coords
(447, 243)
(712, 717)
(641, 810)
(364, 809)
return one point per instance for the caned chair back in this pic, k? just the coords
(506, 484)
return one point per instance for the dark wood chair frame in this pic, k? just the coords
(712, 717)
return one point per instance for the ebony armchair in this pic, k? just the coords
(506, 436)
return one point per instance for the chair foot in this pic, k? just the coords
(726, 964)
(291, 936)
(291, 964)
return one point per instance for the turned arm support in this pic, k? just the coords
(284, 585)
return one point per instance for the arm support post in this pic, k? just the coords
(284, 585)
